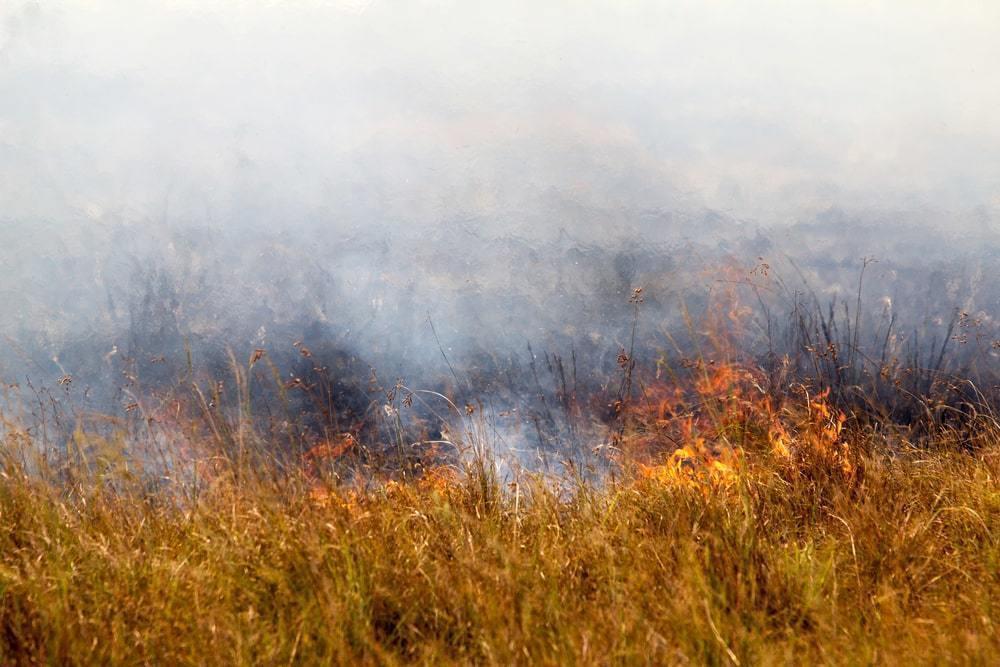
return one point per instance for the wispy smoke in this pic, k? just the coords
(211, 174)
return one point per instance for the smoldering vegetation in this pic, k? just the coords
(299, 215)
(233, 449)
(317, 331)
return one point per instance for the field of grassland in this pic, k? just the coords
(808, 538)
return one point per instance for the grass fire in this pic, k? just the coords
(359, 332)
(706, 507)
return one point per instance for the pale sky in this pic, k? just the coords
(411, 112)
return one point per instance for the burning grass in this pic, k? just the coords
(822, 505)
(735, 526)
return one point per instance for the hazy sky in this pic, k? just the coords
(411, 112)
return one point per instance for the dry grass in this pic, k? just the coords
(781, 560)
(732, 516)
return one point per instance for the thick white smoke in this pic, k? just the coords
(238, 172)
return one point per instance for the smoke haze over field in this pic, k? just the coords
(238, 113)
(499, 332)
(232, 171)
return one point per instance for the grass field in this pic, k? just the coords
(771, 532)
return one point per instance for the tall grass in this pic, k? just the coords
(787, 560)
(824, 506)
